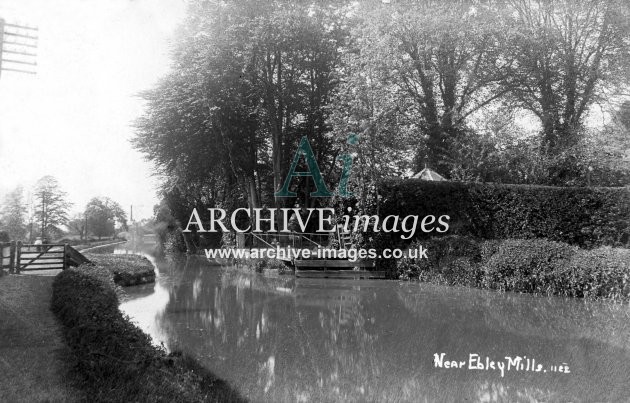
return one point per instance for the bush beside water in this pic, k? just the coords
(450, 260)
(115, 359)
(126, 269)
(522, 265)
(260, 265)
(587, 217)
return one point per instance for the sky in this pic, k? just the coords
(73, 119)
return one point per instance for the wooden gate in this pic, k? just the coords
(40, 257)
(19, 257)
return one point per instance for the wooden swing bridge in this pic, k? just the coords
(19, 257)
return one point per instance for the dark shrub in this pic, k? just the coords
(450, 259)
(379, 241)
(527, 265)
(449, 247)
(277, 264)
(601, 272)
(463, 271)
(88, 309)
(262, 264)
(407, 268)
(174, 242)
(555, 268)
(488, 248)
(588, 217)
(126, 269)
(115, 359)
(522, 265)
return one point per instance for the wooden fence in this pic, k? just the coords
(7, 256)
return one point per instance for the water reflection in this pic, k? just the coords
(277, 338)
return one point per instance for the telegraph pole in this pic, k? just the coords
(1, 42)
(18, 44)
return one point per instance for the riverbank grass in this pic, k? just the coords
(114, 359)
(126, 269)
(535, 266)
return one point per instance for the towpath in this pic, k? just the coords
(33, 357)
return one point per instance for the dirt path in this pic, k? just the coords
(33, 356)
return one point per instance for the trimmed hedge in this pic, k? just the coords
(546, 267)
(587, 217)
(115, 359)
(126, 269)
(601, 272)
(523, 265)
(528, 265)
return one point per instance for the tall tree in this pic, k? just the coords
(51, 207)
(252, 79)
(102, 214)
(442, 61)
(569, 54)
(13, 215)
(296, 52)
(77, 225)
(606, 151)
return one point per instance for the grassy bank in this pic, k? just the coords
(127, 269)
(114, 359)
(33, 357)
(532, 266)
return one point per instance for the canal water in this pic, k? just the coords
(277, 338)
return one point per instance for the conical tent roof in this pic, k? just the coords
(428, 174)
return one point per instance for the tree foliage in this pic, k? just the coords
(441, 62)
(77, 225)
(250, 80)
(479, 90)
(51, 207)
(102, 214)
(13, 215)
(569, 54)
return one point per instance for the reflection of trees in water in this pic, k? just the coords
(592, 338)
(278, 339)
(524, 315)
(266, 334)
(341, 340)
(551, 317)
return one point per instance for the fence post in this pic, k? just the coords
(18, 256)
(65, 256)
(12, 257)
(2, 265)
